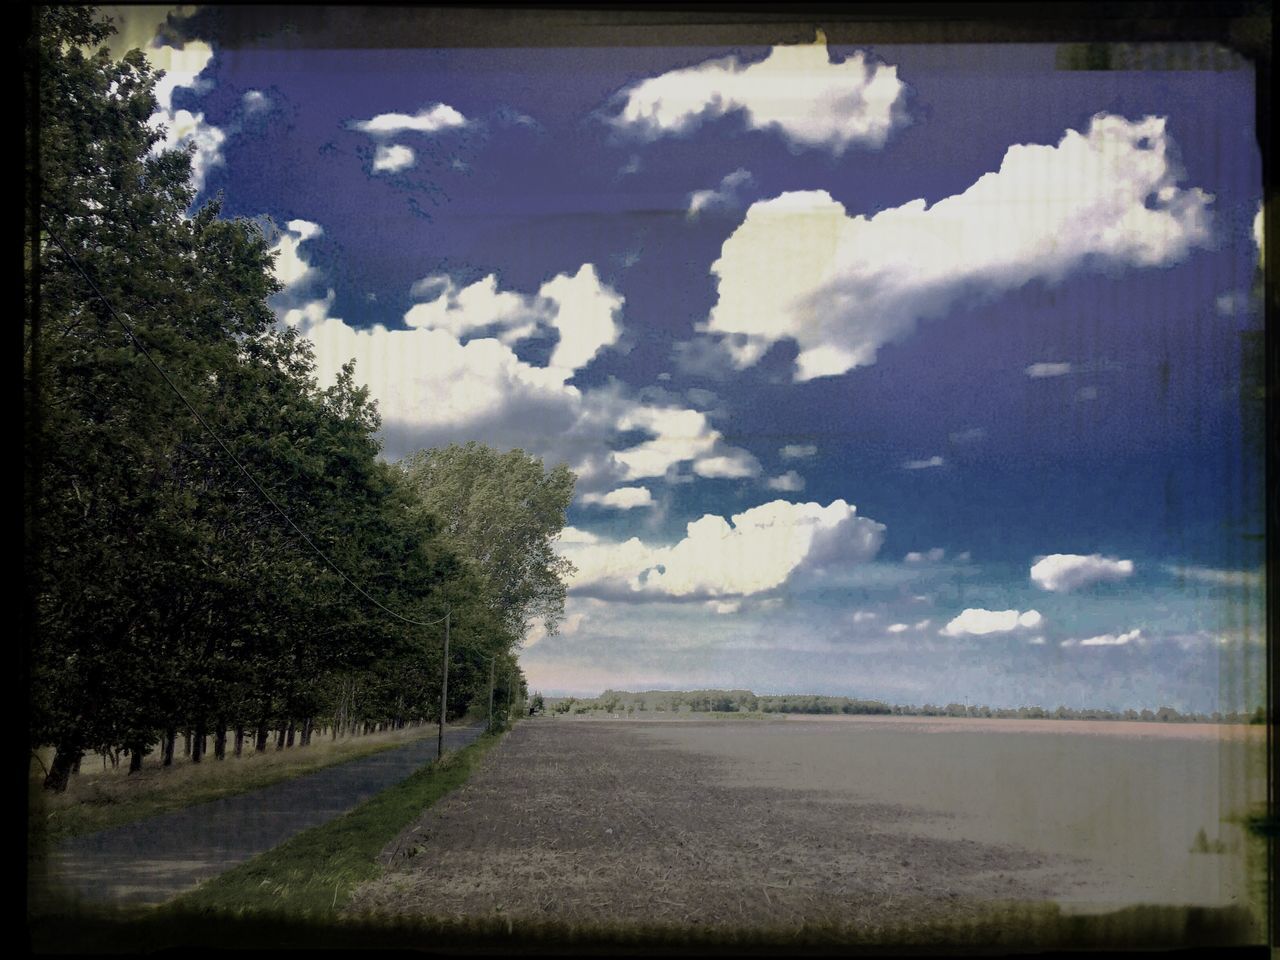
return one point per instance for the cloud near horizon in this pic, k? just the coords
(799, 267)
(977, 622)
(1064, 572)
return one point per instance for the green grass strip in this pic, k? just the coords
(313, 873)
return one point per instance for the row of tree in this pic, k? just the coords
(164, 591)
(735, 701)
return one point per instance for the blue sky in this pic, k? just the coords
(909, 372)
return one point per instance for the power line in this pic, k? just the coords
(137, 342)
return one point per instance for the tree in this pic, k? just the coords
(502, 511)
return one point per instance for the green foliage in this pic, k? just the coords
(503, 512)
(164, 592)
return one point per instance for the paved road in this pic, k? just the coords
(155, 859)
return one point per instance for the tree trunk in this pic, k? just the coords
(135, 758)
(306, 731)
(239, 740)
(280, 739)
(263, 733)
(64, 762)
(186, 743)
(170, 738)
(197, 743)
(220, 741)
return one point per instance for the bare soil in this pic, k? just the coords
(767, 825)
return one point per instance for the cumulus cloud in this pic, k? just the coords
(184, 129)
(580, 308)
(255, 101)
(725, 194)
(978, 622)
(393, 158)
(1040, 370)
(796, 90)
(432, 119)
(754, 551)
(1107, 640)
(1064, 572)
(623, 498)
(789, 482)
(732, 466)
(929, 556)
(797, 451)
(453, 375)
(934, 461)
(897, 628)
(1226, 578)
(841, 287)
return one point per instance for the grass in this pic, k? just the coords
(98, 800)
(314, 872)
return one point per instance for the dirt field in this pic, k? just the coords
(777, 823)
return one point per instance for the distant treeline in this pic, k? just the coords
(744, 701)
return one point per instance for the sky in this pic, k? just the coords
(910, 372)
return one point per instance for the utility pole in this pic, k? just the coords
(489, 716)
(444, 688)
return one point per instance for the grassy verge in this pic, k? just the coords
(313, 873)
(97, 801)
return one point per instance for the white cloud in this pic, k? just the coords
(799, 267)
(567, 627)
(432, 388)
(1064, 572)
(724, 607)
(580, 308)
(861, 616)
(797, 451)
(934, 461)
(1257, 235)
(897, 628)
(978, 622)
(255, 101)
(290, 269)
(1107, 640)
(623, 498)
(1111, 640)
(757, 550)
(731, 466)
(1232, 303)
(427, 120)
(795, 90)
(723, 195)
(1226, 578)
(393, 158)
(930, 556)
(1040, 370)
(971, 435)
(789, 482)
(183, 128)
